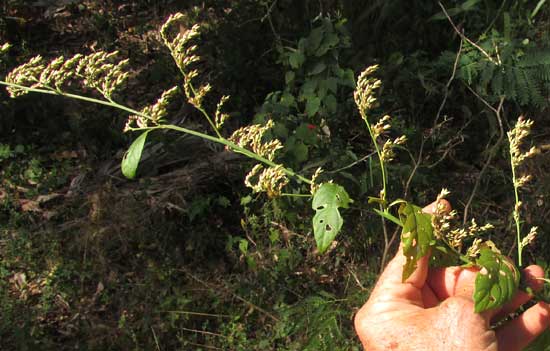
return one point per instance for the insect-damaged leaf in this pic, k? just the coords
(417, 235)
(132, 157)
(497, 281)
(327, 221)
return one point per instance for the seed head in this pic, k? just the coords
(270, 180)
(529, 238)
(314, 186)
(251, 137)
(220, 117)
(515, 137)
(364, 94)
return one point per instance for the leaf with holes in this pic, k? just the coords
(497, 282)
(327, 221)
(417, 235)
(131, 159)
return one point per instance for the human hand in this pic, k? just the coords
(433, 310)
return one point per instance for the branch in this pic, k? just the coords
(492, 152)
(465, 37)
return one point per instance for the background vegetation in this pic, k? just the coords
(185, 257)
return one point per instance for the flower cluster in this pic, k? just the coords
(99, 71)
(387, 150)
(27, 75)
(271, 179)
(441, 223)
(516, 137)
(364, 94)
(251, 137)
(365, 99)
(220, 117)
(314, 186)
(102, 72)
(521, 130)
(154, 114)
(455, 237)
(529, 238)
(184, 54)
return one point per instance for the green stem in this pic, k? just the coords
(295, 195)
(516, 213)
(463, 258)
(205, 114)
(383, 204)
(232, 146)
(381, 161)
(220, 140)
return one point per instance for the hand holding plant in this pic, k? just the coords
(433, 309)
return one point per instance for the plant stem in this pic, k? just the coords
(232, 146)
(220, 140)
(516, 212)
(206, 114)
(295, 195)
(380, 160)
(383, 193)
(456, 252)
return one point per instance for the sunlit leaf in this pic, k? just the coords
(497, 281)
(327, 221)
(417, 235)
(132, 157)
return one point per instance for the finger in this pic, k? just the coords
(452, 281)
(520, 332)
(432, 208)
(530, 275)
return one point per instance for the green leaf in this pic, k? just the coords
(389, 217)
(318, 68)
(348, 78)
(496, 283)
(307, 134)
(331, 103)
(131, 159)
(417, 235)
(312, 106)
(314, 39)
(329, 42)
(300, 152)
(332, 84)
(308, 89)
(296, 59)
(288, 100)
(327, 221)
(289, 77)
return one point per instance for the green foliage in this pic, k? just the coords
(497, 282)
(327, 221)
(417, 236)
(317, 321)
(513, 68)
(131, 159)
(310, 105)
